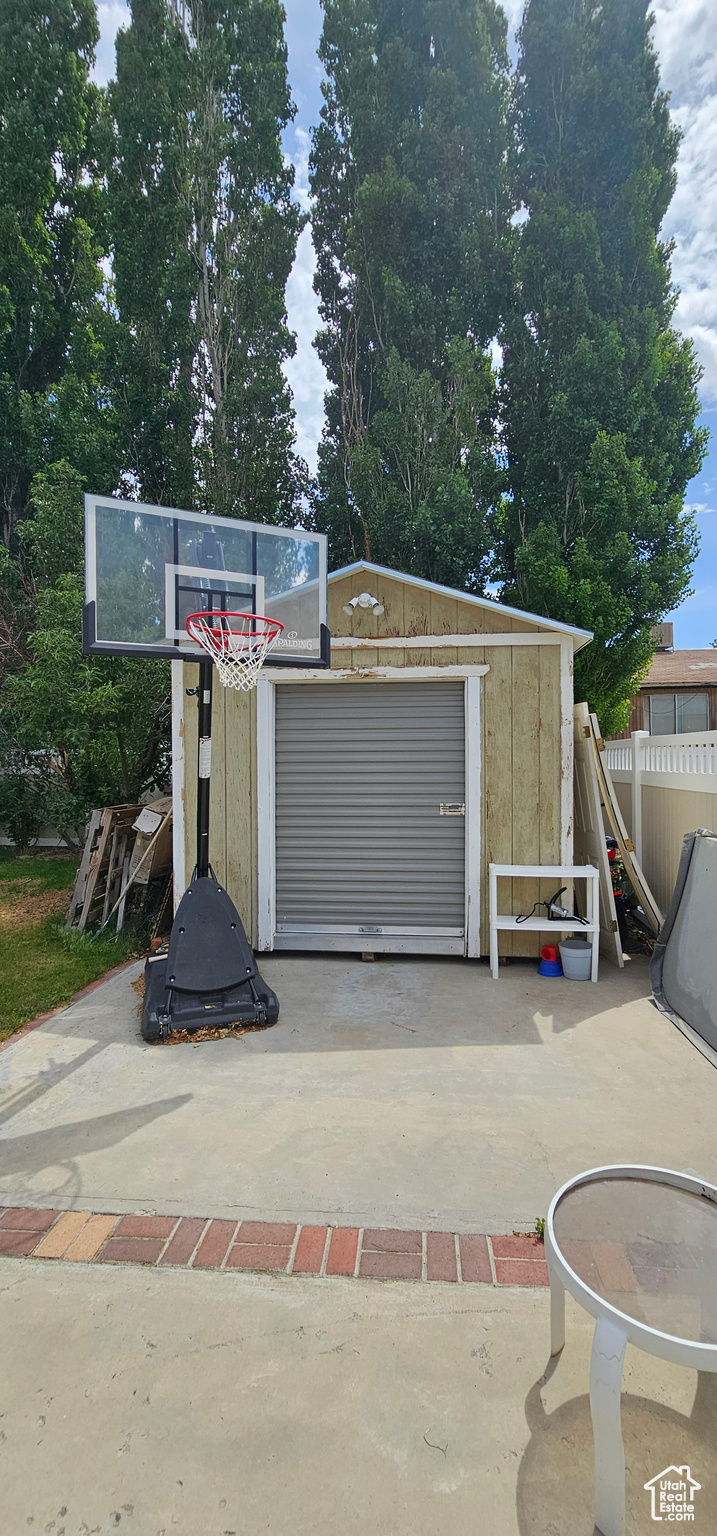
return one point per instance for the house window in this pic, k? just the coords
(670, 714)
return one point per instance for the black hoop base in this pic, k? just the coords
(209, 975)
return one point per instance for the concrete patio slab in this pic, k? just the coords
(407, 1093)
(234, 1405)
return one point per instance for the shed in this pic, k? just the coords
(358, 807)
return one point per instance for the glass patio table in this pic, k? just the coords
(637, 1247)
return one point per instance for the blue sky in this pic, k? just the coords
(686, 40)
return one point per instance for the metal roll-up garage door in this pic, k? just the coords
(370, 792)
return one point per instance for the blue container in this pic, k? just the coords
(550, 968)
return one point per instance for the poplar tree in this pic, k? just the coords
(53, 398)
(205, 233)
(244, 229)
(599, 391)
(411, 203)
(154, 284)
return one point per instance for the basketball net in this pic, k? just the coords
(238, 644)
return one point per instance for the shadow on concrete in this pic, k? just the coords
(18, 1099)
(555, 1478)
(333, 1003)
(24, 1156)
(409, 1001)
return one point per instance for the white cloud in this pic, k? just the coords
(513, 10)
(684, 36)
(496, 354)
(300, 161)
(305, 374)
(111, 14)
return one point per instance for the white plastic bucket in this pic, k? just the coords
(576, 956)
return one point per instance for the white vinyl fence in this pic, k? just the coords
(666, 786)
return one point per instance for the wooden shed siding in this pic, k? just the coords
(521, 774)
(520, 756)
(410, 610)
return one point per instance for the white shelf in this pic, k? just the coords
(547, 871)
(504, 922)
(544, 925)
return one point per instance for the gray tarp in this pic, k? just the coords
(683, 968)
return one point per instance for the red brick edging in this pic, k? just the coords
(196, 1242)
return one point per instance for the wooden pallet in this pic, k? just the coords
(109, 837)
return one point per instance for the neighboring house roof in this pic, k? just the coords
(682, 669)
(581, 636)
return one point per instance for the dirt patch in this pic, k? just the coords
(26, 910)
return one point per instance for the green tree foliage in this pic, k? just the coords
(52, 324)
(204, 234)
(599, 394)
(169, 379)
(244, 229)
(154, 287)
(409, 177)
(76, 731)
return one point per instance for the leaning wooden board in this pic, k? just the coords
(78, 894)
(589, 833)
(619, 831)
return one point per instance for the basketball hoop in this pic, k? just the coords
(238, 644)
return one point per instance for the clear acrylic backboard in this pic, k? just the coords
(148, 568)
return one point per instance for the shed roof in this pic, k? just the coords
(580, 636)
(682, 669)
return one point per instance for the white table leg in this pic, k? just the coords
(494, 969)
(594, 886)
(557, 1314)
(493, 909)
(606, 1364)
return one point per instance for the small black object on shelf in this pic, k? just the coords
(552, 906)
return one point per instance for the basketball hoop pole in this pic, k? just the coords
(238, 653)
(204, 765)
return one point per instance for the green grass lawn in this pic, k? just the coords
(41, 964)
(47, 871)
